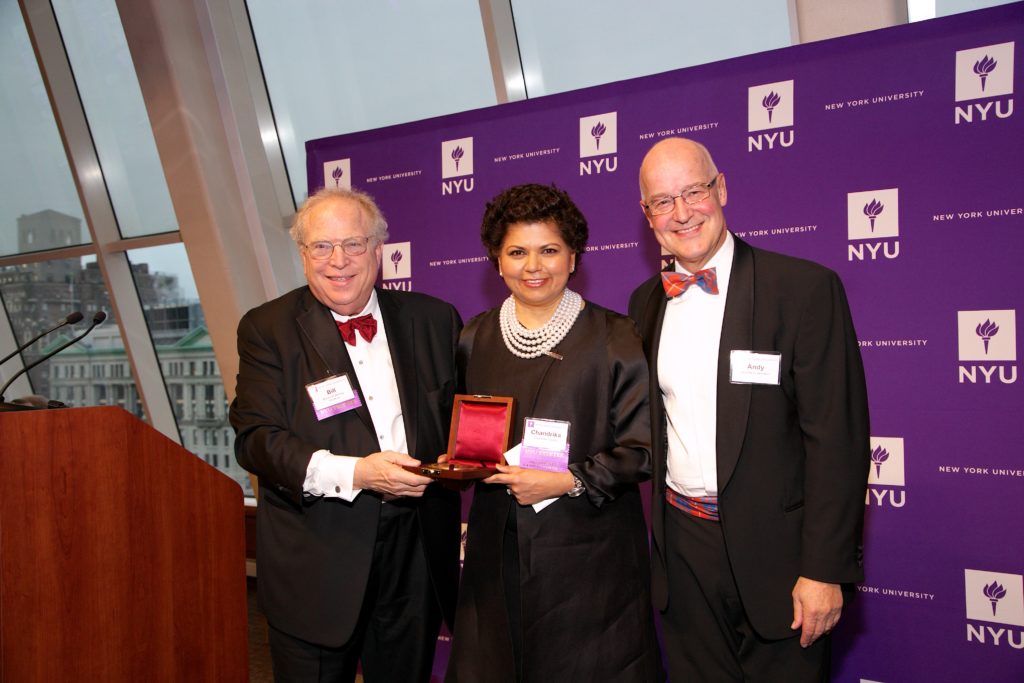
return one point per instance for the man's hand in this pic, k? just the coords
(531, 486)
(382, 472)
(816, 608)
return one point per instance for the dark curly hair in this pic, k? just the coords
(532, 203)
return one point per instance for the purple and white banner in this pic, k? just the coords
(894, 157)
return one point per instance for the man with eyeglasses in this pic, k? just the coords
(760, 419)
(338, 383)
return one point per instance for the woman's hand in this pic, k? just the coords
(531, 486)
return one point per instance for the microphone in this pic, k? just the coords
(99, 317)
(70, 320)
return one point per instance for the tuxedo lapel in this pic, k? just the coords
(652, 321)
(321, 331)
(654, 316)
(402, 345)
(737, 334)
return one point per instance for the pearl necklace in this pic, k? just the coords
(526, 343)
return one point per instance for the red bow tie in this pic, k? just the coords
(366, 325)
(677, 283)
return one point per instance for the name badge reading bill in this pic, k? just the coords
(545, 445)
(332, 396)
(751, 367)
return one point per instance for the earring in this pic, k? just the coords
(500, 274)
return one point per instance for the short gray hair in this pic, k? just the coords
(371, 212)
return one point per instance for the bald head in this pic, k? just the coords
(679, 178)
(675, 150)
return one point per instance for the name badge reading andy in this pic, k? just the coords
(545, 445)
(332, 396)
(750, 367)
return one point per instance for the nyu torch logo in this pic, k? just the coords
(338, 174)
(994, 598)
(396, 269)
(599, 144)
(878, 456)
(457, 164)
(872, 225)
(984, 84)
(769, 102)
(770, 108)
(983, 67)
(886, 477)
(873, 210)
(986, 331)
(994, 592)
(987, 342)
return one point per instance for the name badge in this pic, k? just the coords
(545, 445)
(751, 367)
(332, 396)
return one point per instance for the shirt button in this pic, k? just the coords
(337, 489)
(360, 362)
(371, 398)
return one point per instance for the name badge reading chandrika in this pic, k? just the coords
(751, 367)
(545, 445)
(332, 396)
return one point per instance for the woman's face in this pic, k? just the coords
(535, 263)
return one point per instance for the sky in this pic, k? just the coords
(35, 174)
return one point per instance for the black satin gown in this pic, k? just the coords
(583, 563)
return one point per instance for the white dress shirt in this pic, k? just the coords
(330, 474)
(688, 376)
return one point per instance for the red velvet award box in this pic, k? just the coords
(478, 438)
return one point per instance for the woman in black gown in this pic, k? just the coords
(560, 594)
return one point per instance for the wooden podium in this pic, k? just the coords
(122, 555)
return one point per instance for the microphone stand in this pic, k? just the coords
(99, 317)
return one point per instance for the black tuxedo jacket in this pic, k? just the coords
(793, 458)
(314, 554)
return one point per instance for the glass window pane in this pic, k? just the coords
(94, 371)
(334, 68)
(183, 347)
(39, 207)
(567, 45)
(99, 57)
(944, 8)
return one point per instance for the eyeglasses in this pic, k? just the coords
(694, 194)
(323, 250)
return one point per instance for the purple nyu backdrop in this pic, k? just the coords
(893, 157)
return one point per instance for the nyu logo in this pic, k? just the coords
(984, 73)
(872, 218)
(457, 162)
(338, 174)
(997, 598)
(599, 138)
(770, 106)
(396, 266)
(886, 471)
(989, 337)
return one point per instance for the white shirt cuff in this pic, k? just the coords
(331, 476)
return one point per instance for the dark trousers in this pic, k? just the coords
(708, 637)
(396, 634)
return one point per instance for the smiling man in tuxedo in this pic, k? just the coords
(759, 411)
(338, 383)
